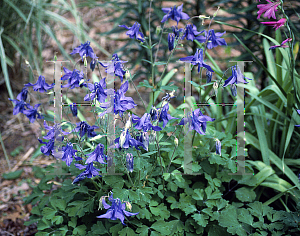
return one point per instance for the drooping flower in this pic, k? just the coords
(66, 154)
(276, 24)
(74, 77)
(90, 171)
(32, 113)
(236, 77)
(97, 89)
(174, 13)
(208, 76)
(144, 139)
(164, 116)
(153, 113)
(84, 50)
(282, 45)
(191, 33)
(115, 67)
(197, 59)
(129, 162)
(197, 121)
(97, 155)
(73, 108)
(23, 95)
(55, 132)
(19, 106)
(171, 38)
(214, 39)
(134, 31)
(269, 9)
(121, 103)
(93, 64)
(125, 141)
(144, 123)
(177, 31)
(40, 85)
(83, 127)
(116, 210)
(47, 149)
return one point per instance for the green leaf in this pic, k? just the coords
(161, 211)
(57, 220)
(143, 230)
(245, 194)
(49, 213)
(201, 219)
(162, 227)
(126, 232)
(189, 209)
(198, 194)
(245, 216)
(12, 175)
(59, 203)
(116, 229)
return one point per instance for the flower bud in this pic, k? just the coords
(85, 61)
(27, 63)
(122, 139)
(158, 30)
(129, 162)
(128, 206)
(215, 86)
(127, 75)
(101, 203)
(218, 147)
(215, 14)
(233, 90)
(176, 142)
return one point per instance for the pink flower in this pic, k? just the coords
(269, 9)
(282, 44)
(276, 24)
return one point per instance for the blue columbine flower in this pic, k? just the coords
(127, 141)
(97, 155)
(84, 49)
(97, 89)
(115, 67)
(174, 13)
(83, 127)
(116, 210)
(177, 31)
(235, 78)
(153, 113)
(197, 59)
(19, 106)
(129, 162)
(218, 147)
(32, 113)
(74, 77)
(121, 103)
(40, 85)
(93, 64)
(191, 32)
(144, 139)
(196, 121)
(144, 123)
(90, 171)
(23, 95)
(208, 76)
(164, 116)
(73, 109)
(55, 132)
(134, 31)
(66, 154)
(214, 39)
(48, 148)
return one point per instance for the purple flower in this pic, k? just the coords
(40, 85)
(269, 9)
(164, 116)
(116, 210)
(19, 106)
(171, 38)
(84, 49)
(129, 162)
(196, 121)
(197, 59)
(66, 154)
(83, 127)
(218, 147)
(153, 113)
(115, 67)
(74, 77)
(276, 24)
(23, 95)
(93, 64)
(73, 109)
(121, 103)
(191, 33)
(32, 113)
(48, 148)
(208, 76)
(97, 155)
(97, 89)
(134, 31)
(174, 13)
(144, 123)
(125, 141)
(144, 139)
(233, 90)
(282, 45)
(214, 39)
(90, 171)
(55, 132)
(236, 77)
(176, 31)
